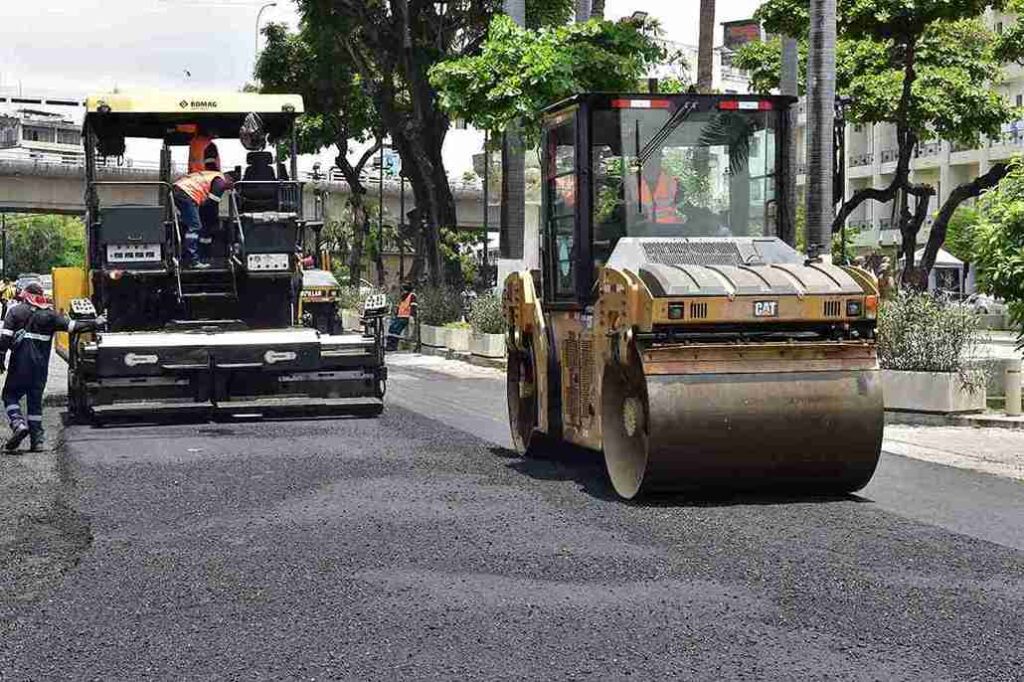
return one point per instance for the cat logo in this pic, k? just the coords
(766, 308)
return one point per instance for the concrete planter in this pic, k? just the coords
(936, 392)
(432, 336)
(350, 320)
(457, 339)
(487, 345)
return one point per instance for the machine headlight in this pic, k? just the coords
(267, 261)
(854, 308)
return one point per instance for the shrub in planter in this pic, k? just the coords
(457, 336)
(488, 339)
(928, 348)
(436, 307)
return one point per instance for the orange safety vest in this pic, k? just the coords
(198, 185)
(405, 307)
(660, 202)
(197, 153)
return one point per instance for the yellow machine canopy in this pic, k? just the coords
(157, 115)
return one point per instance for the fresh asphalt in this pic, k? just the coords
(418, 546)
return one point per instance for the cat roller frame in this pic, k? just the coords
(668, 325)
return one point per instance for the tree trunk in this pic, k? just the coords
(360, 219)
(821, 95)
(789, 85)
(706, 47)
(582, 10)
(513, 180)
(597, 9)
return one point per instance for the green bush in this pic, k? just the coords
(349, 298)
(437, 306)
(486, 315)
(918, 332)
(457, 325)
(998, 244)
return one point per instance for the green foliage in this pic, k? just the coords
(437, 306)
(519, 71)
(38, 243)
(998, 243)
(918, 332)
(457, 325)
(961, 231)
(486, 314)
(956, 58)
(349, 298)
(762, 60)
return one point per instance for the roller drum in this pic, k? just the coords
(816, 431)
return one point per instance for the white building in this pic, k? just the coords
(871, 153)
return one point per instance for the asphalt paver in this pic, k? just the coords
(403, 548)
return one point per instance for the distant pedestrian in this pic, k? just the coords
(403, 315)
(27, 332)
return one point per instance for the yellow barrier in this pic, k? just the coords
(68, 283)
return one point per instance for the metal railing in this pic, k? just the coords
(287, 193)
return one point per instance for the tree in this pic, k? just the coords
(519, 71)
(706, 46)
(926, 67)
(381, 51)
(999, 242)
(512, 227)
(314, 64)
(38, 243)
(597, 9)
(821, 94)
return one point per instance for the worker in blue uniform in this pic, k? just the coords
(27, 332)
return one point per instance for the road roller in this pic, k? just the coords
(669, 326)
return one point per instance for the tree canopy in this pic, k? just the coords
(998, 247)
(925, 66)
(362, 67)
(520, 71)
(38, 243)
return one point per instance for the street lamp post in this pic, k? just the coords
(256, 39)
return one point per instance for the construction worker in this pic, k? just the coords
(195, 194)
(406, 309)
(202, 152)
(27, 332)
(658, 194)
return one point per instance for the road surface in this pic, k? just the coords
(417, 546)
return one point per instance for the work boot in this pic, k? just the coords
(20, 433)
(201, 265)
(36, 440)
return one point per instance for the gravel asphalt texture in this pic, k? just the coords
(403, 548)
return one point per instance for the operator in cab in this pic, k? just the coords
(27, 332)
(659, 193)
(197, 194)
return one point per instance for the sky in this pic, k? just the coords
(75, 47)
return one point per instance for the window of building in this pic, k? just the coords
(1020, 100)
(999, 27)
(68, 136)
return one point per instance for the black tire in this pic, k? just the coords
(524, 402)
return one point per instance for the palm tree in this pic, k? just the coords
(597, 9)
(582, 10)
(789, 85)
(821, 95)
(513, 175)
(706, 46)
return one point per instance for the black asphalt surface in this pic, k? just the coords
(406, 548)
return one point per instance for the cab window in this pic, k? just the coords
(560, 218)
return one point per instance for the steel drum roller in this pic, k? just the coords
(787, 427)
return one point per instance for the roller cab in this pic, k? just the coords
(669, 326)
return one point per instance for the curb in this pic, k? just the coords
(976, 421)
(494, 363)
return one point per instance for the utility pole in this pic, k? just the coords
(513, 164)
(821, 97)
(256, 38)
(789, 85)
(706, 47)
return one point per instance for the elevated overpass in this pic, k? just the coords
(51, 186)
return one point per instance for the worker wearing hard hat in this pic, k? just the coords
(28, 330)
